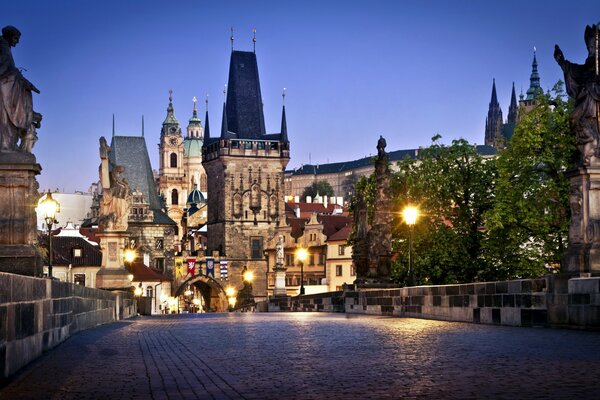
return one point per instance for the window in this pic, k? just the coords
(203, 183)
(321, 259)
(338, 270)
(173, 160)
(256, 247)
(289, 260)
(341, 250)
(149, 292)
(77, 253)
(274, 145)
(174, 197)
(260, 145)
(79, 279)
(353, 270)
(311, 259)
(247, 145)
(159, 264)
(235, 144)
(159, 244)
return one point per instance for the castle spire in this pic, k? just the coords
(142, 125)
(493, 122)
(113, 131)
(534, 80)
(224, 122)
(513, 108)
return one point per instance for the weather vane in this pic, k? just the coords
(283, 96)
(206, 101)
(254, 38)
(231, 38)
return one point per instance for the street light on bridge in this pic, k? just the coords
(301, 255)
(410, 217)
(49, 207)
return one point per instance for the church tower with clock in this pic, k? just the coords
(172, 184)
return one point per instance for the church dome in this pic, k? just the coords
(196, 197)
(192, 147)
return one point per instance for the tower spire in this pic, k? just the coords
(284, 135)
(534, 79)
(206, 126)
(113, 130)
(231, 38)
(224, 122)
(254, 38)
(142, 125)
(493, 122)
(513, 108)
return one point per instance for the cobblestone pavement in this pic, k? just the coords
(313, 356)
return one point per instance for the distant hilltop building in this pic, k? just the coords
(498, 132)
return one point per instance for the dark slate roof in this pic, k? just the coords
(244, 101)
(62, 251)
(131, 152)
(394, 156)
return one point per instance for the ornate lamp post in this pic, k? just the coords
(410, 217)
(301, 255)
(230, 297)
(49, 208)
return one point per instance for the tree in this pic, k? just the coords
(321, 188)
(528, 225)
(453, 188)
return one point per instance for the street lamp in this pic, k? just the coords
(49, 208)
(301, 255)
(138, 290)
(410, 217)
(230, 292)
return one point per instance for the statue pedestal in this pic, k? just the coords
(113, 275)
(583, 253)
(279, 290)
(18, 225)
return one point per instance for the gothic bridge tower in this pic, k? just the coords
(245, 169)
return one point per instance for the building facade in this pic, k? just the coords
(245, 168)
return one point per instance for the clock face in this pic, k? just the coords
(173, 141)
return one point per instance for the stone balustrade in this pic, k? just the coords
(37, 314)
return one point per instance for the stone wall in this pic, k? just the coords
(557, 301)
(37, 314)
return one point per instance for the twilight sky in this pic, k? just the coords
(353, 70)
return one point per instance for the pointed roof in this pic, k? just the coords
(170, 118)
(224, 127)
(206, 126)
(534, 80)
(513, 109)
(284, 135)
(244, 100)
(494, 99)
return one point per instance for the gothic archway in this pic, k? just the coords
(212, 292)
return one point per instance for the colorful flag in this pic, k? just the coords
(223, 264)
(210, 266)
(179, 268)
(191, 266)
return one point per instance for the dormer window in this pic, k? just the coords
(77, 253)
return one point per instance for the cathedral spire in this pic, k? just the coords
(170, 124)
(513, 108)
(493, 122)
(534, 80)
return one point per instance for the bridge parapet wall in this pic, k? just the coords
(37, 314)
(548, 301)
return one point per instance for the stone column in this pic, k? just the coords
(18, 226)
(583, 253)
(279, 290)
(113, 275)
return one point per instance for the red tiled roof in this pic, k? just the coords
(90, 233)
(333, 223)
(141, 273)
(342, 234)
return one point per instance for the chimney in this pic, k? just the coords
(308, 199)
(296, 199)
(297, 211)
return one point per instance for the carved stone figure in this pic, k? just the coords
(115, 200)
(583, 85)
(17, 118)
(279, 251)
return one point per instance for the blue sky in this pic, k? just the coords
(353, 70)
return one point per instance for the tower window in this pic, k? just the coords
(173, 160)
(174, 197)
(203, 183)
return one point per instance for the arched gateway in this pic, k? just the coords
(212, 292)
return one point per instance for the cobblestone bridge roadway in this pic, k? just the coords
(313, 356)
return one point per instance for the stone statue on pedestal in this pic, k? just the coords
(115, 201)
(279, 252)
(18, 121)
(583, 85)
(372, 249)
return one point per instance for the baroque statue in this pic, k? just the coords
(115, 200)
(583, 85)
(18, 120)
(279, 252)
